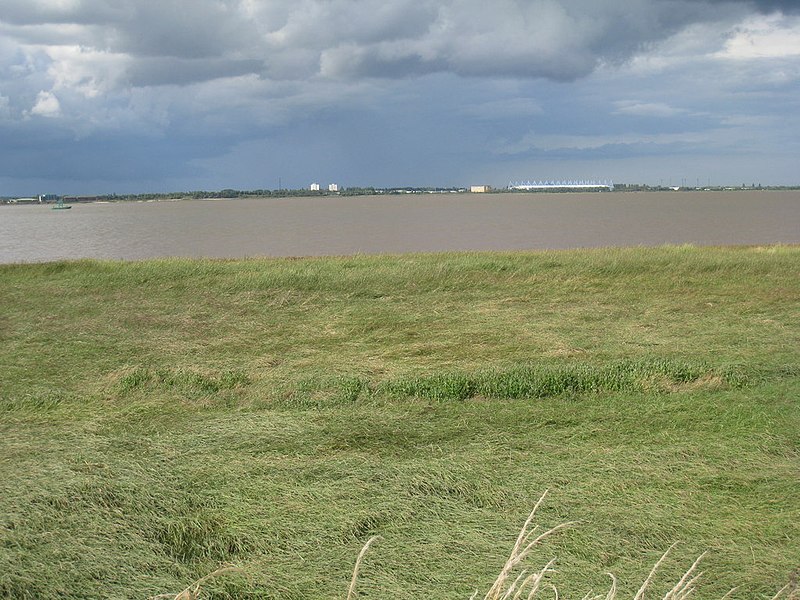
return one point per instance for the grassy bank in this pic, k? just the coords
(159, 419)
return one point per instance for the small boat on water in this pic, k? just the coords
(59, 205)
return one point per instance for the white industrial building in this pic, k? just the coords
(333, 187)
(562, 185)
(314, 187)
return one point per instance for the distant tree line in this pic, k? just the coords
(367, 191)
(260, 193)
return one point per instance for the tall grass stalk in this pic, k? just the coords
(192, 592)
(352, 590)
(522, 548)
(528, 585)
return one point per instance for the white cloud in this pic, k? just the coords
(47, 105)
(551, 142)
(348, 39)
(771, 36)
(695, 42)
(88, 71)
(646, 109)
(735, 38)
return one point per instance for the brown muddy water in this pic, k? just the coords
(338, 225)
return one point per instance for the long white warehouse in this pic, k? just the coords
(561, 185)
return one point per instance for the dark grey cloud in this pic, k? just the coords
(786, 6)
(84, 12)
(286, 39)
(177, 88)
(178, 28)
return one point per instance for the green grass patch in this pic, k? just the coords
(186, 382)
(162, 419)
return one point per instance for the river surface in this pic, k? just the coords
(395, 224)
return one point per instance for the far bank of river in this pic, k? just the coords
(335, 225)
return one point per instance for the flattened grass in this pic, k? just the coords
(161, 419)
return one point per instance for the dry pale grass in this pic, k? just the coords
(527, 585)
(526, 542)
(706, 381)
(515, 584)
(193, 591)
(352, 591)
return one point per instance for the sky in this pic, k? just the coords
(133, 96)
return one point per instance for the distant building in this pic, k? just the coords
(562, 185)
(480, 189)
(314, 187)
(333, 187)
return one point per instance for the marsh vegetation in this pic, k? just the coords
(162, 419)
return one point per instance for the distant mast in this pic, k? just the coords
(59, 205)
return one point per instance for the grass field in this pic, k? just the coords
(161, 419)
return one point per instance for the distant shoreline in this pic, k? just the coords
(303, 193)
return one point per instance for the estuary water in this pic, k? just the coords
(338, 225)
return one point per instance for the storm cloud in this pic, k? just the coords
(247, 71)
(561, 40)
